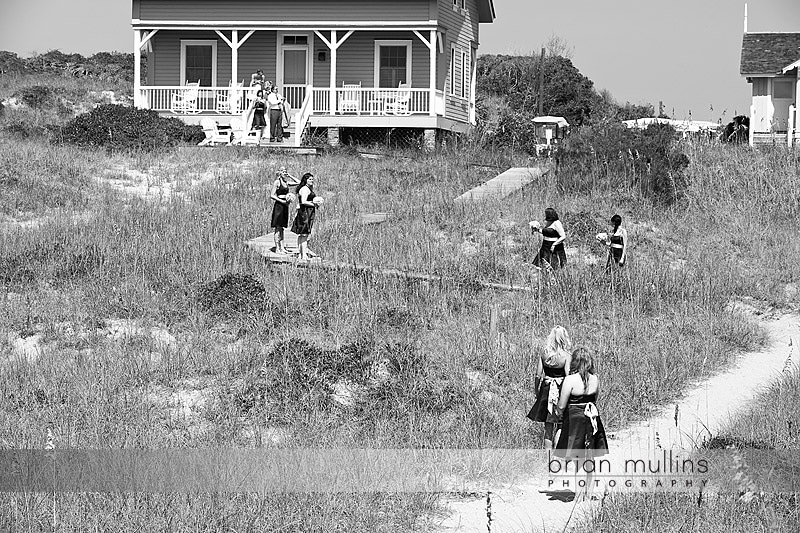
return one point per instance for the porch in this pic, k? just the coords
(771, 123)
(352, 107)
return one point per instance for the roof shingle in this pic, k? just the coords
(768, 53)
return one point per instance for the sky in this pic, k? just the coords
(684, 53)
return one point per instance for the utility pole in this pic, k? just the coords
(541, 82)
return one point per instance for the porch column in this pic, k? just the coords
(432, 97)
(431, 44)
(137, 67)
(333, 45)
(234, 57)
(334, 48)
(234, 43)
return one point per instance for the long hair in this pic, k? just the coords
(550, 214)
(558, 344)
(617, 221)
(582, 364)
(304, 182)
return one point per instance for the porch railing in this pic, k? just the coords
(368, 101)
(183, 100)
(187, 100)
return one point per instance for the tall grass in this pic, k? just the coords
(655, 328)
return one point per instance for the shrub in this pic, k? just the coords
(126, 128)
(621, 159)
(36, 96)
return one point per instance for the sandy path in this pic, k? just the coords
(702, 412)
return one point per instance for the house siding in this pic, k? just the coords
(274, 10)
(461, 33)
(356, 59)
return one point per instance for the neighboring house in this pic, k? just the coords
(339, 63)
(770, 63)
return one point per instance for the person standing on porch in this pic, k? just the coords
(258, 79)
(275, 104)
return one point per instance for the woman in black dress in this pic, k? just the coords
(280, 209)
(617, 243)
(552, 252)
(307, 203)
(552, 367)
(582, 434)
(258, 107)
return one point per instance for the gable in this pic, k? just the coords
(486, 11)
(768, 53)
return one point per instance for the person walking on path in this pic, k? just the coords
(552, 252)
(275, 104)
(307, 203)
(282, 197)
(583, 436)
(552, 367)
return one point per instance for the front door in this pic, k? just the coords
(782, 98)
(294, 72)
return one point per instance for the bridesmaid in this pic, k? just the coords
(307, 202)
(582, 436)
(552, 252)
(552, 367)
(280, 209)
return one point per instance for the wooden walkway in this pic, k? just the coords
(264, 245)
(503, 185)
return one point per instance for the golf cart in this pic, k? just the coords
(549, 132)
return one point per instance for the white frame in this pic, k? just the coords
(463, 92)
(377, 58)
(308, 47)
(452, 69)
(199, 42)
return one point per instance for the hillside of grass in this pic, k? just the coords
(134, 316)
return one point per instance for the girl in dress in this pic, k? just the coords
(552, 252)
(617, 242)
(582, 434)
(307, 203)
(257, 108)
(280, 209)
(551, 368)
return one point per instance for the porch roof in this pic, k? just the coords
(768, 53)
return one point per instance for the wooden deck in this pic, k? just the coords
(503, 185)
(265, 245)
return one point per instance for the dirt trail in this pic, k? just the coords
(700, 413)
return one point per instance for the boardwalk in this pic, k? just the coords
(265, 246)
(501, 186)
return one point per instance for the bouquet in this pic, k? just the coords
(602, 237)
(317, 200)
(291, 197)
(535, 226)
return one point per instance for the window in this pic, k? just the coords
(199, 62)
(760, 87)
(392, 63)
(295, 39)
(452, 70)
(464, 71)
(782, 89)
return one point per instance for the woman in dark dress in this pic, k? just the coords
(552, 367)
(307, 203)
(617, 243)
(582, 434)
(258, 107)
(552, 252)
(280, 209)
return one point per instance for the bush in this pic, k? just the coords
(36, 96)
(622, 159)
(126, 128)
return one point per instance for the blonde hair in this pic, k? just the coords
(558, 345)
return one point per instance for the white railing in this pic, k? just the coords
(790, 134)
(183, 100)
(365, 101)
(223, 100)
(301, 117)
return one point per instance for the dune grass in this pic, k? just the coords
(98, 255)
